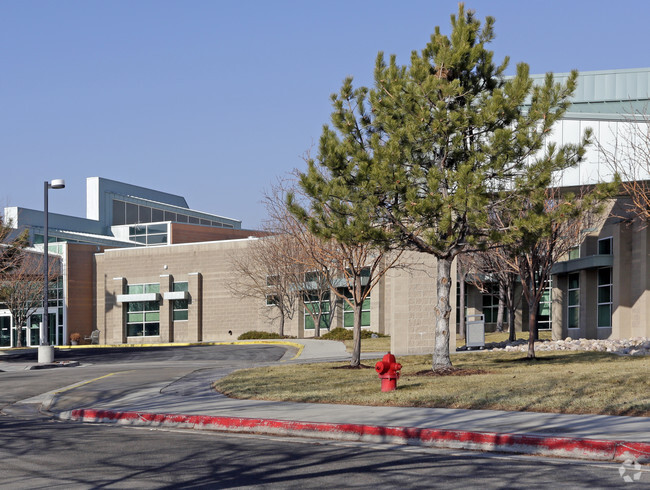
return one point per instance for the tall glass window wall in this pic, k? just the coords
(30, 333)
(605, 287)
(544, 315)
(573, 303)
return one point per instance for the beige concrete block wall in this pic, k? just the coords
(410, 294)
(216, 312)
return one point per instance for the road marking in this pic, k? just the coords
(82, 383)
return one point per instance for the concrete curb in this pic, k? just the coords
(590, 449)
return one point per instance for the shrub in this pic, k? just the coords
(256, 334)
(75, 337)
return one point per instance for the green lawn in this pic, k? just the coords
(566, 382)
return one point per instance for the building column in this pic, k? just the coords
(166, 324)
(195, 307)
(119, 315)
(559, 307)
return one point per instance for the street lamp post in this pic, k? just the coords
(45, 350)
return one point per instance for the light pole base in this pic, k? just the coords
(45, 354)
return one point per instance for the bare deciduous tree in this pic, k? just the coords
(22, 286)
(542, 231)
(629, 157)
(492, 264)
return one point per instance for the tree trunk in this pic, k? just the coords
(512, 311)
(356, 350)
(281, 323)
(533, 305)
(441, 358)
(502, 307)
(317, 320)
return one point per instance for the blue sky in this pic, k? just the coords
(214, 100)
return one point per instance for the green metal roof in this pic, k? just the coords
(611, 92)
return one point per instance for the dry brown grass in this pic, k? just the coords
(567, 382)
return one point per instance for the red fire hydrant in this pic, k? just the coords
(388, 370)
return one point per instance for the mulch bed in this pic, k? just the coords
(450, 372)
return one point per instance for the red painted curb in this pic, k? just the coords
(592, 449)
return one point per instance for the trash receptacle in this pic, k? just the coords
(475, 331)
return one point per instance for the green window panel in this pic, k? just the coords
(152, 317)
(180, 315)
(604, 315)
(135, 289)
(574, 318)
(134, 317)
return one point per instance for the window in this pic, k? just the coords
(605, 246)
(573, 303)
(119, 212)
(574, 253)
(491, 303)
(314, 306)
(605, 297)
(458, 302)
(153, 287)
(180, 307)
(544, 319)
(5, 331)
(154, 234)
(348, 313)
(143, 317)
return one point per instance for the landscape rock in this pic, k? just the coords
(637, 346)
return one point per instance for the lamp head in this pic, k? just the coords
(57, 184)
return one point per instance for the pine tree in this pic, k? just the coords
(436, 147)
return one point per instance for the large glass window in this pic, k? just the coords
(348, 313)
(155, 234)
(573, 303)
(143, 317)
(605, 297)
(491, 303)
(180, 307)
(314, 306)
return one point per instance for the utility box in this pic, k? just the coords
(475, 331)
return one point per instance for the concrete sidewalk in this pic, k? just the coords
(191, 403)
